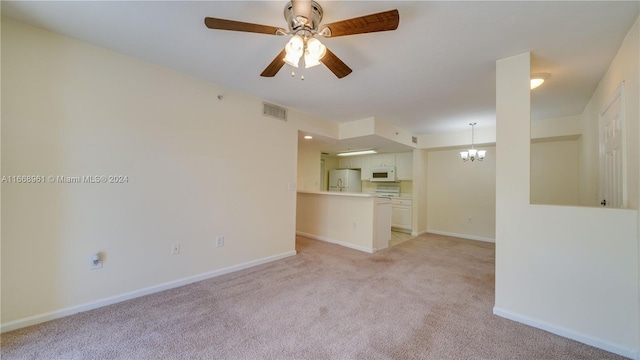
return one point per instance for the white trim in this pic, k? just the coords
(463, 236)
(52, 315)
(418, 233)
(337, 242)
(568, 333)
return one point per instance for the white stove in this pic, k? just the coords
(387, 191)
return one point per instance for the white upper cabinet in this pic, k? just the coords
(382, 160)
(353, 162)
(404, 165)
(356, 162)
(365, 170)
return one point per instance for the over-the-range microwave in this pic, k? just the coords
(383, 174)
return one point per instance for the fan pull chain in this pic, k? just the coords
(293, 74)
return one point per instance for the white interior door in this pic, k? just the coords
(613, 189)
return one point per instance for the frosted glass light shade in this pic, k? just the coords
(294, 50)
(314, 51)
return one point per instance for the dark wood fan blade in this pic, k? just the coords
(223, 24)
(275, 66)
(337, 67)
(383, 21)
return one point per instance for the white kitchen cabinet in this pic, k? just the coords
(365, 170)
(383, 160)
(354, 162)
(382, 223)
(404, 165)
(401, 214)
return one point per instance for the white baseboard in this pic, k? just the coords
(568, 333)
(418, 233)
(52, 315)
(463, 236)
(337, 242)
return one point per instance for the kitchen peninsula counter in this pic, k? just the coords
(356, 220)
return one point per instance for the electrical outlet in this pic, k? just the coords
(219, 241)
(95, 261)
(175, 249)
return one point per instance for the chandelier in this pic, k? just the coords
(472, 154)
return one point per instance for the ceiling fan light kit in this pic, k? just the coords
(303, 18)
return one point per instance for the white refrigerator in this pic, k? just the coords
(345, 180)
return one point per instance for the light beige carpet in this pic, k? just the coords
(428, 298)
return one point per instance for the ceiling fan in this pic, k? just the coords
(303, 18)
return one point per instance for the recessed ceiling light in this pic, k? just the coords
(537, 79)
(308, 137)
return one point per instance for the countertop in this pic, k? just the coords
(379, 200)
(337, 193)
(361, 195)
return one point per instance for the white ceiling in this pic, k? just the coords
(435, 73)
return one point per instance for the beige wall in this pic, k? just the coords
(308, 166)
(572, 271)
(461, 195)
(69, 108)
(554, 172)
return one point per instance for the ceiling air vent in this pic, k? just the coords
(414, 139)
(274, 111)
